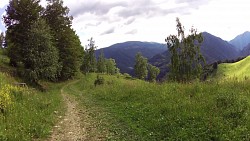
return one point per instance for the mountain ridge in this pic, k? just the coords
(213, 49)
(124, 53)
(241, 41)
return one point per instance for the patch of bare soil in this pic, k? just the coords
(77, 124)
(69, 128)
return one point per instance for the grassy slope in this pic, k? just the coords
(239, 70)
(137, 110)
(31, 114)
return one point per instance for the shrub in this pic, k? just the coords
(99, 80)
(127, 76)
(5, 98)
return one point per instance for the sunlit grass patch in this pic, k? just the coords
(138, 110)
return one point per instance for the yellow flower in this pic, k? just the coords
(5, 99)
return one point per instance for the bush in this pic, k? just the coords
(99, 80)
(5, 98)
(127, 76)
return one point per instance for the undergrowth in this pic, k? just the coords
(29, 114)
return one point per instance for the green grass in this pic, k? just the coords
(239, 70)
(31, 115)
(137, 110)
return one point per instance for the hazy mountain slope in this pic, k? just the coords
(124, 53)
(246, 51)
(241, 40)
(214, 49)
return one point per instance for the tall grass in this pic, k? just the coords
(138, 110)
(31, 114)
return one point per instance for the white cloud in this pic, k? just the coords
(154, 20)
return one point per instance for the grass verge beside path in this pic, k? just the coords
(32, 114)
(137, 110)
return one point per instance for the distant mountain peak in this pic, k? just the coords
(241, 40)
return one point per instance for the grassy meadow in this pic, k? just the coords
(29, 114)
(138, 110)
(239, 70)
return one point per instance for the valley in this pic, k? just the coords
(54, 87)
(213, 49)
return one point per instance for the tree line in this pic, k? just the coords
(144, 70)
(186, 62)
(42, 44)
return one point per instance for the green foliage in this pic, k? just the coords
(106, 65)
(127, 76)
(111, 66)
(31, 113)
(186, 59)
(5, 98)
(140, 67)
(137, 110)
(65, 38)
(20, 14)
(101, 64)
(153, 72)
(99, 80)
(42, 52)
(71, 54)
(89, 61)
(41, 57)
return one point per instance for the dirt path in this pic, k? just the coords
(69, 128)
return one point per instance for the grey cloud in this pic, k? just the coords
(94, 7)
(134, 31)
(193, 3)
(109, 31)
(148, 8)
(92, 24)
(131, 9)
(130, 21)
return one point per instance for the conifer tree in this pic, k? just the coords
(65, 38)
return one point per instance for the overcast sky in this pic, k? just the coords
(115, 21)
